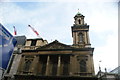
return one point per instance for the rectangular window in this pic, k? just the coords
(83, 66)
(43, 69)
(27, 64)
(65, 69)
(65, 63)
(33, 43)
(54, 69)
(54, 62)
(43, 61)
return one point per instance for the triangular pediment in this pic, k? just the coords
(55, 45)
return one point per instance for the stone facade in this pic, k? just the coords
(57, 61)
(22, 44)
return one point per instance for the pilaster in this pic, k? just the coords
(34, 64)
(59, 64)
(47, 65)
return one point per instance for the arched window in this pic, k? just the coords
(79, 21)
(83, 66)
(81, 37)
(27, 65)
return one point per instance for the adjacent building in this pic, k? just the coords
(112, 75)
(22, 44)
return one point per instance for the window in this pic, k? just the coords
(43, 61)
(33, 42)
(65, 63)
(81, 37)
(54, 62)
(43, 68)
(27, 65)
(65, 69)
(54, 69)
(82, 66)
(79, 21)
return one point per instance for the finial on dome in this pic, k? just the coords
(78, 11)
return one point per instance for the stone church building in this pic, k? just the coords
(39, 60)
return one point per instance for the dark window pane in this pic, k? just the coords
(65, 69)
(65, 63)
(43, 69)
(43, 61)
(54, 69)
(79, 21)
(54, 62)
(82, 66)
(33, 43)
(27, 65)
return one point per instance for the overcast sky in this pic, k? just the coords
(53, 20)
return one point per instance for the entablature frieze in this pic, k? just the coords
(57, 52)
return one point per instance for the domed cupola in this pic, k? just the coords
(79, 19)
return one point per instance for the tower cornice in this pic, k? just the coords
(80, 27)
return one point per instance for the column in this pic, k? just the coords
(74, 37)
(34, 64)
(21, 65)
(47, 65)
(59, 62)
(71, 65)
(92, 65)
(77, 37)
(88, 39)
(85, 34)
